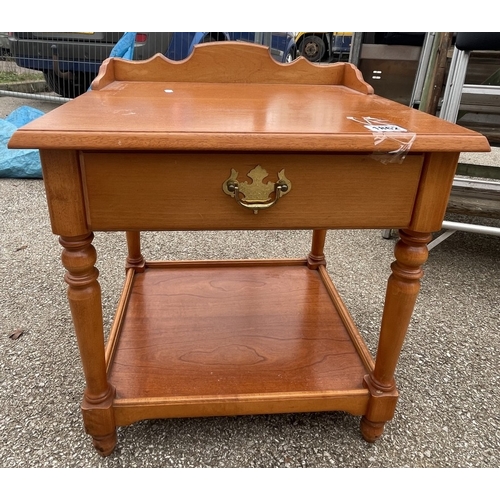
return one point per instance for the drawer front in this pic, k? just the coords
(155, 191)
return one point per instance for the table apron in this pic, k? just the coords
(166, 191)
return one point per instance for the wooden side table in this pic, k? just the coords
(231, 140)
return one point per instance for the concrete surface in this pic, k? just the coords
(37, 85)
(448, 377)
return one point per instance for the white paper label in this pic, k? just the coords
(385, 128)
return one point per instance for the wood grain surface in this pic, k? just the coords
(232, 331)
(236, 104)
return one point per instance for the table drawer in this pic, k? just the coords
(154, 191)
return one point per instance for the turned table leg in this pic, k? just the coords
(84, 295)
(316, 256)
(134, 257)
(402, 290)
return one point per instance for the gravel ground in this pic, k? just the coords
(448, 377)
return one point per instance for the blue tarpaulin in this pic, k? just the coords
(124, 48)
(18, 163)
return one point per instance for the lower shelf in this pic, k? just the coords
(234, 337)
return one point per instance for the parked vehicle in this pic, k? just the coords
(70, 61)
(317, 47)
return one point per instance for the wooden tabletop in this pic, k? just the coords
(234, 115)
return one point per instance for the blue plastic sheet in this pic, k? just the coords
(18, 163)
(124, 48)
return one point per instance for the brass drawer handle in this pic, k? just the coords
(256, 195)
